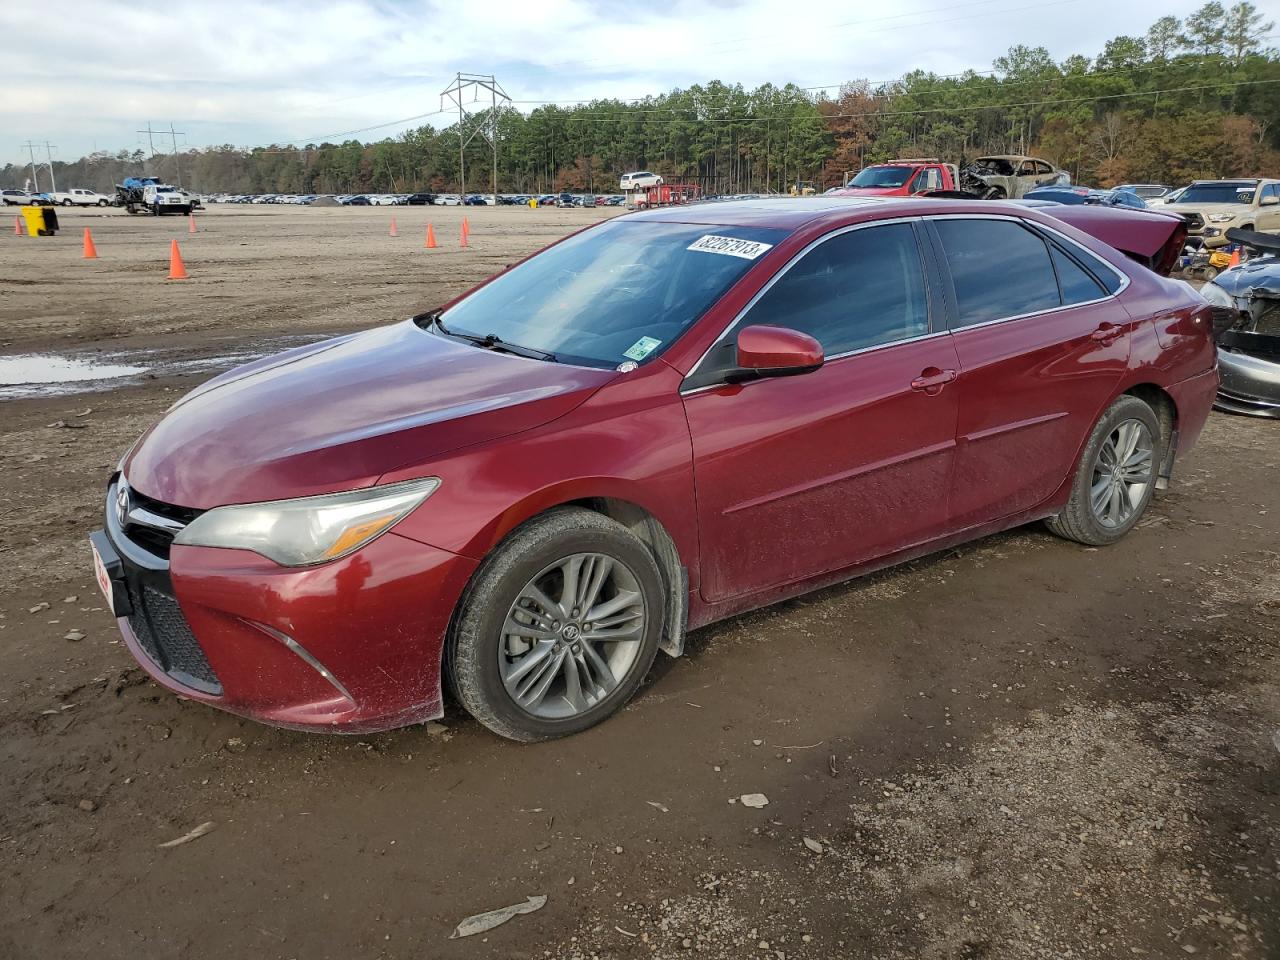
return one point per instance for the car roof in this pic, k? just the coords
(1228, 180)
(786, 213)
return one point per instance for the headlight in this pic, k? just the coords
(296, 533)
(1221, 217)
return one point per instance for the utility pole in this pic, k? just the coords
(35, 177)
(469, 124)
(48, 153)
(177, 163)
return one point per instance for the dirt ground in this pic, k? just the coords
(1018, 749)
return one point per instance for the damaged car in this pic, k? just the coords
(526, 494)
(1246, 301)
(1010, 177)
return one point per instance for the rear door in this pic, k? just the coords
(803, 475)
(1042, 343)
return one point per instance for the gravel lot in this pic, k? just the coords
(1018, 749)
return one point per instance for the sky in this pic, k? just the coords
(256, 72)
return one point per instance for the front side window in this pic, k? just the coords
(857, 290)
(623, 290)
(999, 269)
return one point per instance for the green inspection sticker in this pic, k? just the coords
(642, 348)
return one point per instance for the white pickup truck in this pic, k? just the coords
(162, 198)
(79, 197)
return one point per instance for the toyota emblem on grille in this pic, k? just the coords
(122, 502)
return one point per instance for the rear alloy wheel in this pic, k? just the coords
(1116, 477)
(559, 627)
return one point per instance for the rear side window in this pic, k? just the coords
(999, 269)
(857, 290)
(1077, 284)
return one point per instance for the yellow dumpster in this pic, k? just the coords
(40, 221)
(533, 203)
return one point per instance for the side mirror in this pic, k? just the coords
(765, 351)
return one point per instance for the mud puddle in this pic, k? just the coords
(28, 376)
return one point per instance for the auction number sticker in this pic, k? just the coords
(730, 246)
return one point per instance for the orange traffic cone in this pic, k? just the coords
(191, 223)
(462, 241)
(177, 270)
(17, 226)
(431, 238)
(393, 232)
(1235, 259)
(90, 251)
(466, 227)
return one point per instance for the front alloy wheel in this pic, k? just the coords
(574, 630)
(558, 627)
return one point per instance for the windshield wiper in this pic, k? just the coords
(491, 341)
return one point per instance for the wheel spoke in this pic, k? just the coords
(1099, 493)
(623, 600)
(530, 660)
(538, 630)
(572, 570)
(602, 567)
(573, 685)
(545, 605)
(534, 690)
(1113, 505)
(599, 667)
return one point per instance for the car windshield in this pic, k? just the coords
(881, 177)
(617, 292)
(1218, 193)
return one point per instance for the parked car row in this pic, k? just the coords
(423, 198)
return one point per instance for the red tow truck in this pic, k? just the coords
(901, 178)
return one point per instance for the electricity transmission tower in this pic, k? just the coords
(174, 135)
(469, 124)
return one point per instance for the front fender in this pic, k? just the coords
(628, 442)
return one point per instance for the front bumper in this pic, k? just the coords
(1250, 385)
(348, 647)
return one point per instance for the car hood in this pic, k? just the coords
(1204, 209)
(864, 191)
(338, 415)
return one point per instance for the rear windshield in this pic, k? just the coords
(1218, 193)
(882, 177)
(625, 290)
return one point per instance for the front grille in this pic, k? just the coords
(162, 631)
(1195, 222)
(155, 540)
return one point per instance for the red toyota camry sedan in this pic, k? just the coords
(665, 419)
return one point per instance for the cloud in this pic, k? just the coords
(253, 73)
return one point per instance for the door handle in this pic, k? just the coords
(932, 380)
(1107, 333)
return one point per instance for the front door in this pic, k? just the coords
(799, 476)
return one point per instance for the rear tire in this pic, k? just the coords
(1116, 476)
(556, 673)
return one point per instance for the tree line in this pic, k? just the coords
(1190, 98)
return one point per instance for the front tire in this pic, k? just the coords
(558, 628)
(1116, 477)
